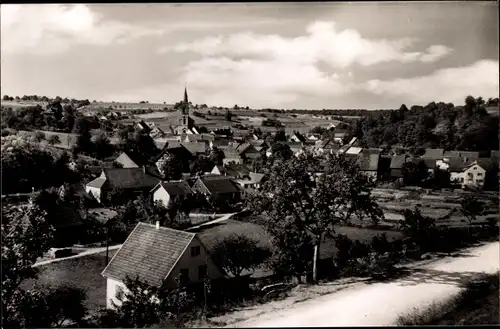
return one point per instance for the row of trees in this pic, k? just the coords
(468, 127)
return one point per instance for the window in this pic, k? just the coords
(119, 292)
(184, 275)
(195, 251)
(479, 174)
(475, 168)
(479, 181)
(202, 272)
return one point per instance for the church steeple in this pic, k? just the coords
(185, 95)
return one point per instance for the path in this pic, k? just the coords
(82, 254)
(380, 304)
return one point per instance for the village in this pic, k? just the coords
(354, 181)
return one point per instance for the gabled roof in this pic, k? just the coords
(126, 161)
(299, 136)
(149, 253)
(456, 164)
(236, 169)
(397, 161)
(219, 185)
(174, 148)
(433, 153)
(256, 177)
(368, 160)
(220, 142)
(243, 147)
(495, 154)
(123, 178)
(175, 188)
(485, 163)
(200, 137)
(97, 183)
(195, 147)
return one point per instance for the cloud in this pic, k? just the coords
(48, 29)
(447, 85)
(322, 42)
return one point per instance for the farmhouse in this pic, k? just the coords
(396, 165)
(166, 192)
(369, 162)
(129, 181)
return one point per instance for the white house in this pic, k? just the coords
(165, 192)
(473, 175)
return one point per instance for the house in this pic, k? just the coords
(156, 253)
(326, 145)
(296, 137)
(474, 174)
(231, 169)
(260, 145)
(156, 132)
(207, 138)
(217, 188)
(125, 160)
(339, 135)
(166, 192)
(369, 162)
(220, 143)
(130, 181)
(434, 154)
(243, 153)
(396, 165)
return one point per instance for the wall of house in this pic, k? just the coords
(235, 160)
(94, 191)
(474, 176)
(161, 195)
(192, 263)
(456, 177)
(112, 288)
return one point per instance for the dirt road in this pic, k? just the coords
(381, 304)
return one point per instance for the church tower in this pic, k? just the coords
(185, 123)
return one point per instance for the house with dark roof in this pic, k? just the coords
(129, 181)
(252, 181)
(220, 143)
(231, 169)
(166, 192)
(396, 165)
(155, 254)
(143, 126)
(369, 162)
(196, 148)
(219, 189)
(433, 154)
(125, 160)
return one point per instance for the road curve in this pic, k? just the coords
(381, 304)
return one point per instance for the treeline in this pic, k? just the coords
(57, 99)
(436, 125)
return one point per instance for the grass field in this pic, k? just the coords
(83, 272)
(17, 104)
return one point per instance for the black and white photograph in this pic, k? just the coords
(250, 164)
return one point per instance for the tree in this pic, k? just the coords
(228, 115)
(27, 236)
(238, 252)
(54, 139)
(69, 116)
(281, 151)
(280, 136)
(216, 155)
(302, 207)
(418, 228)
(39, 136)
(84, 140)
(102, 146)
(318, 130)
(5, 98)
(171, 167)
(415, 173)
(470, 208)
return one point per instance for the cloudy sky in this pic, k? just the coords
(295, 55)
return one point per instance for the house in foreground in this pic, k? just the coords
(154, 253)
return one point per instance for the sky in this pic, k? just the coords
(263, 55)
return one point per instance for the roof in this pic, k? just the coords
(97, 183)
(174, 148)
(126, 161)
(175, 188)
(235, 170)
(218, 185)
(257, 177)
(218, 142)
(485, 163)
(433, 153)
(200, 137)
(149, 253)
(209, 236)
(430, 163)
(368, 160)
(397, 161)
(456, 164)
(243, 147)
(354, 150)
(195, 147)
(469, 155)
(299, 136)
(495, 154)
(124, 178)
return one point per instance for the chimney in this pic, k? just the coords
(157, 224)
(144, 169)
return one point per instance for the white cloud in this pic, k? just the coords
(322, 42)
(447, 85)
(48, 29)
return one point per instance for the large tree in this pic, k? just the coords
(300, 205)
(239, 252)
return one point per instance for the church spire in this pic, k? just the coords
(185, 94)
